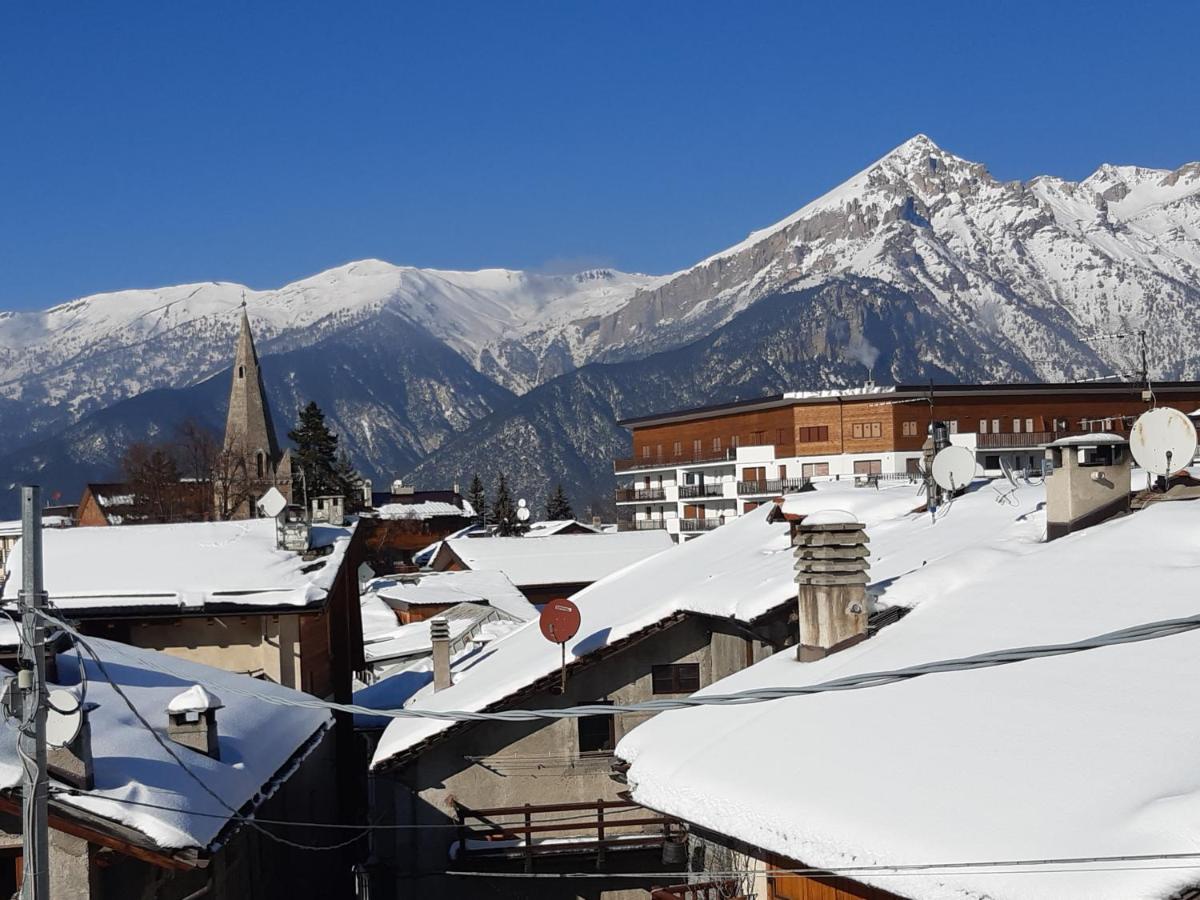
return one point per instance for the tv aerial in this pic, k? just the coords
(559, 623)
(1163, 441)
(953, 468)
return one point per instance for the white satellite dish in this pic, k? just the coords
(523, 513)
(63, 727)
(1163, 440)
(521, 503)
(272, 503)
(954, 468)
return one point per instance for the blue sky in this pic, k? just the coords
(158, 143)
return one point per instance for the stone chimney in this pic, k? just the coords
(192, 720)
(439, 632)
(831, 579)
(1087, 481)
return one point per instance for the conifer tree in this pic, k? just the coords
(316, 454)
(504, 511)
(558, 507)
(477, 497)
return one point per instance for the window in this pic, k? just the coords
(241, 371)
(677, 678)
(781, 435)
(952, 425)
(908, 429)
(646, 451)
(868, 467)
(758, 438)
(677, 448)
(1029, 426)
(810, 470)
(258, 463)
(748, 506)
(1016, 426)
(697, 444)
(658, 451)
(995, 426)
(866, 430)
(983, 426)
(812, 434)
(716, 445)
(912, 466)
(758, 473)
(733, 441)
(597, 734)
(991, 462)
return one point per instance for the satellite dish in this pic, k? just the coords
(521, 503)
(522, 513)
(63, 727)
(272, 503)
(559, 621)
(1163, 440)
(954, 468)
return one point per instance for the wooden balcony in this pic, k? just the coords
(561, 829)
(640, 495)
(773, 487)
(1028, 440)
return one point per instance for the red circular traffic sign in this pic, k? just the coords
(559, 621)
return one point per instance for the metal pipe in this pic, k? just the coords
(35, 786)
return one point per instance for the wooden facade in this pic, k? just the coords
(886, 422)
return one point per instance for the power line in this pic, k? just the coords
(1134, 634)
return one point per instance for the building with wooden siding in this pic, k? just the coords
(694, 469)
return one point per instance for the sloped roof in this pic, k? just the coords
(1081, 755)
(435, 588)
(558, 559)
(181, 567)
(130, 765)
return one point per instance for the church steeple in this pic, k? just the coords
(248, 426)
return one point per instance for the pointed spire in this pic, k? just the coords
(248, 425)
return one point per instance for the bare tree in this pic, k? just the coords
(232, 486)
(197, 450)
(153, 479)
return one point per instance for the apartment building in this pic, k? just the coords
(692, 470)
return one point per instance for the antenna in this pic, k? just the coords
(954, 468)
(1162, 441)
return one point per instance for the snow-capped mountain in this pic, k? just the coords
(922, 265)
(1044, 265)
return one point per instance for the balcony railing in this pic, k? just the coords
(692, 491)
(640, 495)
(771, 486)
(706, 524)
(1025, 441)
(658, 462)
(533, 831)
(641, 524)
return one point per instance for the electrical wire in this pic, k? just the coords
(1142, 632)
(234, 813)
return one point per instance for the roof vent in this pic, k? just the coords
(439, 633)
(192, 720)
(831, 579)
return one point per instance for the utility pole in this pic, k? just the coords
(32, 682)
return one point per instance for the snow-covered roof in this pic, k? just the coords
(469, 586)
(1081, 755)
(426, 509)
(414, 639)
(743, 569)
(549, 527)
(130, 765)
(181, 567)
(11, 528)
(1094, 439)
(559, 559)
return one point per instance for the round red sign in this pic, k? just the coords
(559, 621)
